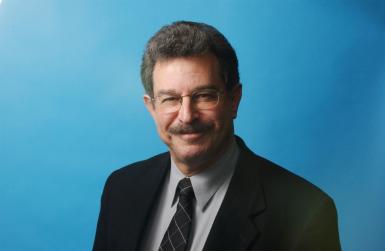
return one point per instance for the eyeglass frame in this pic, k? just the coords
(219, 93)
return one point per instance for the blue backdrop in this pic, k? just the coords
(71, 107)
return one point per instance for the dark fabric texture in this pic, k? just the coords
(177, 234)
(266, 207)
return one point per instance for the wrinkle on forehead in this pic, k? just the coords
(199, 88)
(186, 74)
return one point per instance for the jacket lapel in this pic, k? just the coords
(149, 190)
(235, 226)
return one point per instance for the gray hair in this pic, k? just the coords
(184, 39)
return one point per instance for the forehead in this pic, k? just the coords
(186, 74)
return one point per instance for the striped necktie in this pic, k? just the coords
(177, 234)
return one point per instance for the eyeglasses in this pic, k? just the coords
(201, 100)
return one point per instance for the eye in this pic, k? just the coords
(205, 96)
(169, 100)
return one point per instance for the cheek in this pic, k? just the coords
(223, 122)
(222, 117)
(216, 118)
(163, 123)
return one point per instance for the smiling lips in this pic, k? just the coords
(192, 132)
(191, 136)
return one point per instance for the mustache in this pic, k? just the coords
(191, 128)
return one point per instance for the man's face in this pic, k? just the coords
(194, 137)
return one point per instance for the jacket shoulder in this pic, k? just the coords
(296, 212)
(279, 180)
(132, 173)
(276, 180)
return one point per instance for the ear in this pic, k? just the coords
(236, 99)
(149, 105)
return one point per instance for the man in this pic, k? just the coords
(209, 192)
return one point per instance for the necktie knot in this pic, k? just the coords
(185, 190)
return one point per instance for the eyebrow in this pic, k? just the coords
(173, 91)
(166, 92)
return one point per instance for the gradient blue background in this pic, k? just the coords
(71, 107)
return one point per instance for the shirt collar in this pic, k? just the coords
(207, 182)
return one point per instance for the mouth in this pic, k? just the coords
(191, 133)
(193, 136)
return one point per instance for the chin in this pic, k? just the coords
(195, 151)
(191, 154)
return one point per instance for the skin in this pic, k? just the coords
(195, 138)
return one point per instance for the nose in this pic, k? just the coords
(187, 113)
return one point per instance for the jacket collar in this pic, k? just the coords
(236, 224)
(157, 168)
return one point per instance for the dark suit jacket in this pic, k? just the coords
(265, 208)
